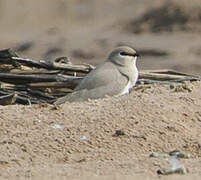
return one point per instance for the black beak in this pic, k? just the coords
(136, 55)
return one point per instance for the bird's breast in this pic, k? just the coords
(132, 79)
(126, 89)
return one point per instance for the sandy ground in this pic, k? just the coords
(77, 140)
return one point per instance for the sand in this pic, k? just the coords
(77, 140)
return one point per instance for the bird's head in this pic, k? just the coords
(123, 56)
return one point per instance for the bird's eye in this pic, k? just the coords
(122, 53)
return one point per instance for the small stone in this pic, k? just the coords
(119, 133)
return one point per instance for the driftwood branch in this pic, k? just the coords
(7, 53)
(32, 78)
(8, 56)
(71, 84)
(8, 99)
(53, 65)
(163, 76)
(167, 72)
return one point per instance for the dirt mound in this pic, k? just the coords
(169, 16)
(78, 139)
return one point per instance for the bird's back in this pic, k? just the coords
(104, 75)
(104, 80)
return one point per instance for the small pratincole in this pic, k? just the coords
(113, 77)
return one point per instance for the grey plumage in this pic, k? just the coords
(115, 76)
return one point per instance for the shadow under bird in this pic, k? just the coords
(114, 77)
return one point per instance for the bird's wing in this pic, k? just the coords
(98, 78)
(96, 85)
(85, 94)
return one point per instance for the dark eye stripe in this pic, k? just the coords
(129, 54)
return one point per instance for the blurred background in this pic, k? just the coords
(167, 33)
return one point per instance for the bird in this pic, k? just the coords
(114, 77)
